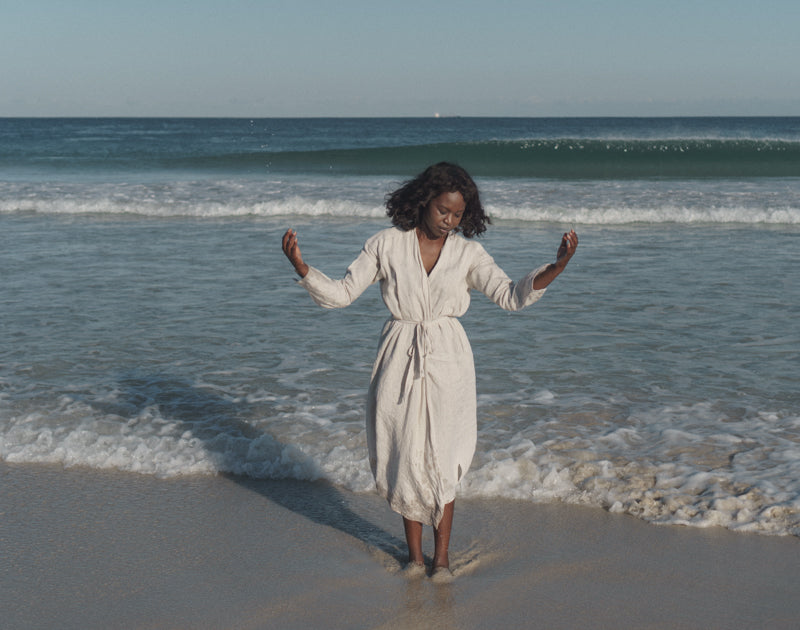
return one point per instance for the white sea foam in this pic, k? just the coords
(293, 206)
(74, 434)
(585, 203)
(743, 477)
(302, 207)
(652, 215)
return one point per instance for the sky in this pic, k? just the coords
(245, 58)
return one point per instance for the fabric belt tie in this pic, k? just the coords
(420, 347)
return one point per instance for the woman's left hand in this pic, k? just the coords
(569, 243)
(292, 251)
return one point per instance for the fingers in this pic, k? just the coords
(291, 248)
(289, 242)
(570, 240)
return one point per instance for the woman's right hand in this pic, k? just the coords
(292, 251)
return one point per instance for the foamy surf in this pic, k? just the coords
(133, 203)
(655, 466)
(151, 323)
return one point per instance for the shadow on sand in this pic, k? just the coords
(219, 425)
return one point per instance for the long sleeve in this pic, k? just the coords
(329, 293)
(488, 278)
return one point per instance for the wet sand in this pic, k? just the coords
(91, 549)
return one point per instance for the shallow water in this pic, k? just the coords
(150, 324)
(657, 376)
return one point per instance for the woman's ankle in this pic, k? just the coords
(441, 560)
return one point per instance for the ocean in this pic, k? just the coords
(151, 324)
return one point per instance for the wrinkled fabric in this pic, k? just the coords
(421, 404)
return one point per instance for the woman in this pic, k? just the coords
(421, 405)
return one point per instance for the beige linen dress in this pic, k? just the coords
(421, 405)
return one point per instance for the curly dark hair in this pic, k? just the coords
(406, 205)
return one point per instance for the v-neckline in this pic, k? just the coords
(418, 247)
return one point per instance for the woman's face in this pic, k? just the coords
(443, 214)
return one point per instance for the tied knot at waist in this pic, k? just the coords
(420, 347)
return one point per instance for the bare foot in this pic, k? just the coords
(414, 570)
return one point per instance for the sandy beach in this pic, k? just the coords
(89, 549)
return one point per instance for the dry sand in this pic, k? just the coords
(89, 549)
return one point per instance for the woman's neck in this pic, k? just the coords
(422, 233)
